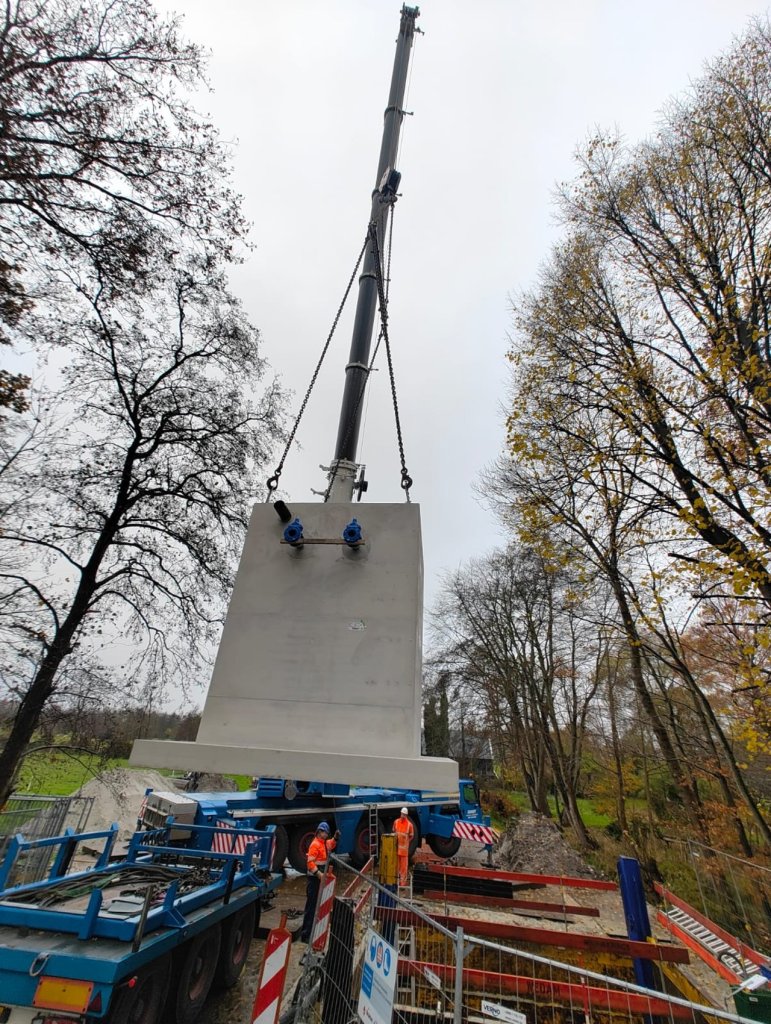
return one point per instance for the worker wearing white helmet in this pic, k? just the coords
(405, 833)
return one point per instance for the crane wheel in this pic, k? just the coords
(360, 853)
(143, 1002)
(300, 838)
(444, 847)
(198, 964)
(237, 935)
(281, 849)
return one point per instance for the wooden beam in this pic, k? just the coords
(505, 903)
(484, 874)
(543, 936)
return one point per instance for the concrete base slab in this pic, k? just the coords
(436, 773)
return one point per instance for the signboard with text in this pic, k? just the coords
(378, 981)
(503, 1013)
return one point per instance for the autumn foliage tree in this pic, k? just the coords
(640, 422)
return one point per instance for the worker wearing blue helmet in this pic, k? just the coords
(318, 854)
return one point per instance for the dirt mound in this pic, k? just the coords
(533, 843)
(118, 795)
(215, 783)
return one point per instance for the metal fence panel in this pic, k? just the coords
(446, 976)
(40, 817)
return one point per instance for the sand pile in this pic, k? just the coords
(118, 795)
(534, 843)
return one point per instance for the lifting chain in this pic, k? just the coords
(272, 483)
(406, 481)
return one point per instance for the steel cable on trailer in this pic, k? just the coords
(272, 482)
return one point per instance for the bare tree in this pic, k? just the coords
(132, 521)
(102, 158)
(507, 623)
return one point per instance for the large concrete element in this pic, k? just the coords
(318, 675)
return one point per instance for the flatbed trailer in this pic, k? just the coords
(133, 939)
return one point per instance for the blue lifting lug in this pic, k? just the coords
(352, 534)
(293, 534)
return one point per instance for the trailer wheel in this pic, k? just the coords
(237, 935)
(142, 1002)
(444, 847)
(300, 838)
(281, 849)
(198, 965)
(360, 853)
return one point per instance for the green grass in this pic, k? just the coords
(593, 818)
(58, 773)
(61, 773)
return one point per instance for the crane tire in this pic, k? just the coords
(281, 849)
(237, 935)
(198, 964)
(300, 838)
(142, 1003)
(444, 847)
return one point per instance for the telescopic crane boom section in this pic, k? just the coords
(343, 470)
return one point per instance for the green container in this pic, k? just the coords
(755, 1005)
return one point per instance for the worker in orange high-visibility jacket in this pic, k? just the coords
(405, 833)
(316, 858)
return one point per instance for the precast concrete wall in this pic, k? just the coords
(318, 674)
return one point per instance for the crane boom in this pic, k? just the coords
(343, 469)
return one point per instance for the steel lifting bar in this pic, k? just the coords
(517, 876)
(547, 937)
(730, 940)
(588, 997)
(507, 903)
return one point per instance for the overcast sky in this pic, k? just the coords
(502, 93)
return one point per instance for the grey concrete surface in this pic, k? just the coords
(318, 674)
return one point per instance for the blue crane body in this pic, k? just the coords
(122, 939)
(296, 808)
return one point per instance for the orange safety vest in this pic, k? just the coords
(318, 852)
(405, 831)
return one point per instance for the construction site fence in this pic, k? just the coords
(442, 974)
(732, 891)
(39, 817)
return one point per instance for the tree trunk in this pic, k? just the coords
(28, 715)
(646, 701)
(617, 759)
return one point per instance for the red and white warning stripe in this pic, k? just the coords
(270, 987)
(323, 913)
(476, 833)
(233, 841)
